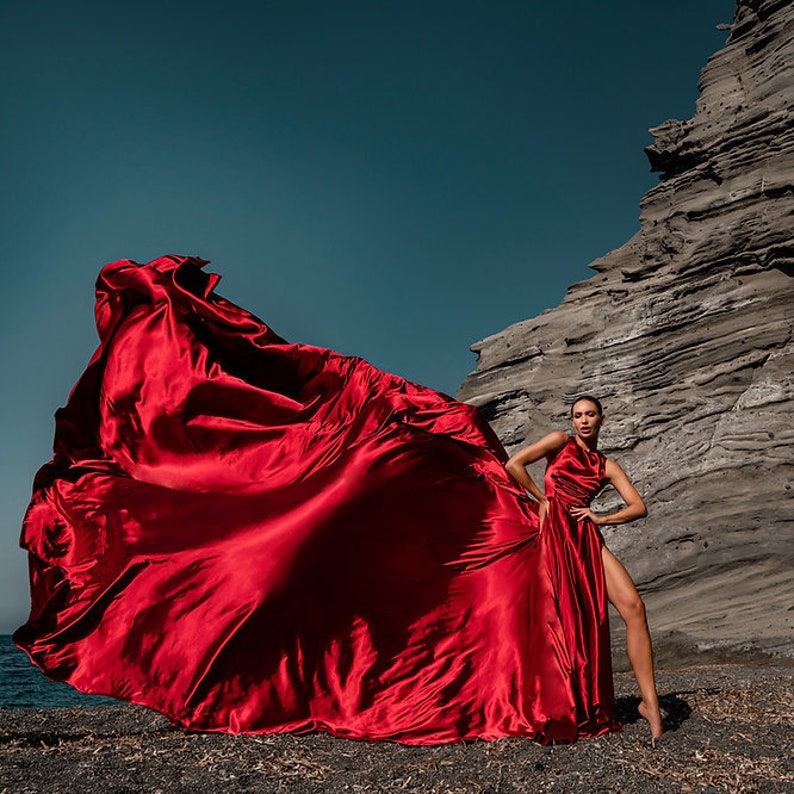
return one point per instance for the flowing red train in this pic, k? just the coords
(255, 536)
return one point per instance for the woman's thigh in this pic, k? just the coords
(621, 590)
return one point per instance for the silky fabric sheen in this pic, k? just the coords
(255, 536)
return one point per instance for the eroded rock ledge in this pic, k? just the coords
(686, 332)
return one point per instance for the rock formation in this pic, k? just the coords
(686, 333)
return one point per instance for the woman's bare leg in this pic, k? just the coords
(624, 597)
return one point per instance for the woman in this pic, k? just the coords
(253, 536)
(576, 471)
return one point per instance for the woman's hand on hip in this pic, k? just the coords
(543, 511)
(585, 513)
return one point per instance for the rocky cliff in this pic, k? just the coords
(686, 333)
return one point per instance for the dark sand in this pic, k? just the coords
(730, 730)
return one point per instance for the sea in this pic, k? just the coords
(23, 685)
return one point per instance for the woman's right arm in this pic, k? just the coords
(517, 464)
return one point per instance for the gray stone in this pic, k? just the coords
(686, 334)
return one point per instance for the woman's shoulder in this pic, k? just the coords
(546, 447)
(556, 440)
(612, 468)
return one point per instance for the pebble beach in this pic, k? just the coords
(730, 729)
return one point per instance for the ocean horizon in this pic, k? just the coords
(23, 685)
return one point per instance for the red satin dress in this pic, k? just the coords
(254, 536)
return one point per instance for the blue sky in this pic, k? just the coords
(391, 179)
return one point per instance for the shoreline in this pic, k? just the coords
(729, 730)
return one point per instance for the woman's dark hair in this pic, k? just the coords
(591, 399)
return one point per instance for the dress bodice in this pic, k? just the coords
(575, 474)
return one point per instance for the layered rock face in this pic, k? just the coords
(686, 334)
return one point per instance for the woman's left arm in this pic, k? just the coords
(634, 509)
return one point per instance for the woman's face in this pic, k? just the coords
(586, 419)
